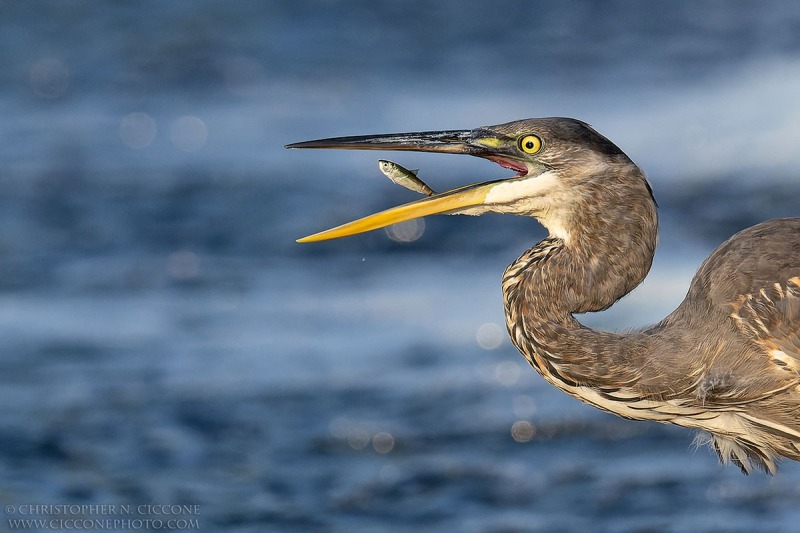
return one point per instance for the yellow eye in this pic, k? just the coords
(530, 144)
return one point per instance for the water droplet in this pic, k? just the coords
(188, 133)
(507, 373)
(408, 231)
(522, 431)
(490, 336)
(383, 442)
(524, 406)
(357, 438)
(49, 78)
(183, 265)
(137, 130)
(389, 473)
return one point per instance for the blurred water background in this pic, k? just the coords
(164, 340)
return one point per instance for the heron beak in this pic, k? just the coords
(480, 142)
(452, 142)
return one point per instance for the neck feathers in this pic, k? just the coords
(612, 238)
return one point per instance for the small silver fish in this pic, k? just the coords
(404, 177)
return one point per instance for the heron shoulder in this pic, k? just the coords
(756, 258)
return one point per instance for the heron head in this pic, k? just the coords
(554, 160)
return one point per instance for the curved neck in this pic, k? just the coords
(554, 279)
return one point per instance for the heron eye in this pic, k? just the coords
(530, 144)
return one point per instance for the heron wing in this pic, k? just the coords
(771, 317)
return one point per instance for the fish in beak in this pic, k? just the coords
(472, 199)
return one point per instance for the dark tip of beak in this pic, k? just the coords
(454, 141)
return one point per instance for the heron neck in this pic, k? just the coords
(553, 280)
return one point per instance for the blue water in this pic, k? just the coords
(164, 340)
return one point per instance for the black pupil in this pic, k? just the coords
(529, 145)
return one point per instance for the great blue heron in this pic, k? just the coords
(726, 361)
